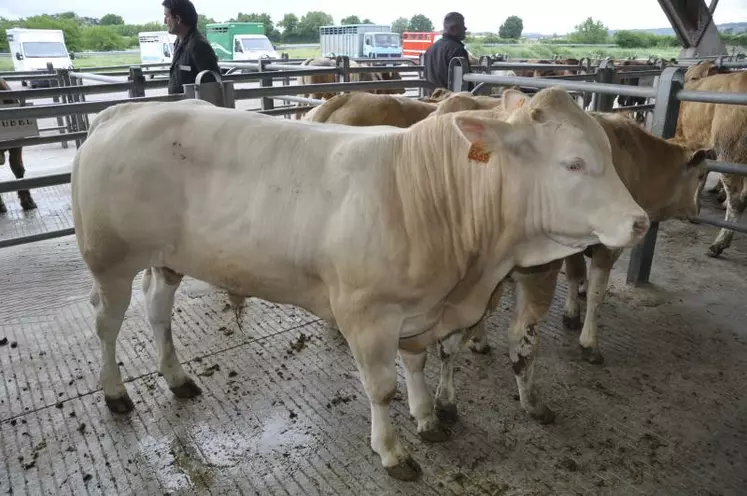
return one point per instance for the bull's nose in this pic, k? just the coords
(641, 225)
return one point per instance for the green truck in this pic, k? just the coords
(238, 41)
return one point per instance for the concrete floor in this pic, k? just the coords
(279, 414)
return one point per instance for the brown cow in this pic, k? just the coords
(366, 109)
(15, 158)
(721, 127)
(663, 177)
(332, 78)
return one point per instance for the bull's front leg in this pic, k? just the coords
(420, 400)
(16, 165)
(602, 261)
(374, 344)
(535, 288)
(735, 205)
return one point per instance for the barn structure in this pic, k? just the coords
(282, 409)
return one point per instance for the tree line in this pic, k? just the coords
(110, 32)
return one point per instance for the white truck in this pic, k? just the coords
(33, 49)
(156, 47)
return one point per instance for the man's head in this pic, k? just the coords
(180, 16)
(454, 25)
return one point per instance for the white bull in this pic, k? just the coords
(345, 222)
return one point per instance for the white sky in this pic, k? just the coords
(544, 16)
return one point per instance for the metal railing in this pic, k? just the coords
(222, 93)
(668, 93)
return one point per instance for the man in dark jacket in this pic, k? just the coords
(192, 52)
(436, 58)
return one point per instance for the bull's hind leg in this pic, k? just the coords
(420, 399)
(111, 297)
(575, 274)
(16, 165)
(159, 286)
(374, 346)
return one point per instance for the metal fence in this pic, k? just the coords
(667, 93)
(602, 82)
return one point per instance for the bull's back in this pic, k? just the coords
(180, 181)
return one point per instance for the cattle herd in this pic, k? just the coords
(398, 221)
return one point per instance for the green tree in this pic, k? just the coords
(289, 23)
(203, 21)
(111, 20)
(308, 27)
(589, 31)
(353, 19)
(420, 23)
(367, 21)
(511, 29)
(103, 38)
(400, 25)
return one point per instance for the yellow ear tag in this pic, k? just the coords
(478, 153)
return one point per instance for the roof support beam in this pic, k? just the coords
(692, 22)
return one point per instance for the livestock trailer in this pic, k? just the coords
(374, 41)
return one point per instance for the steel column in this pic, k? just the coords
(666, 110)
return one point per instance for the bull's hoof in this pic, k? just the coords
(478, 347)
(543, 415)
(447, 413)
(123, 404)
(187, 390)
(3, 208)
(714, 251)
(437, 434)
(592, 355)
(572, 323)
(28, 203)
(407, 470)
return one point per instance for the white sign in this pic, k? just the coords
(17, 128)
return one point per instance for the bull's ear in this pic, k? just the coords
(513, 99)
(491, 135)
(699, 155)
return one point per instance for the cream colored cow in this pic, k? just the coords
(345, 222)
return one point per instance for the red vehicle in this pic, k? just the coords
(415, 43)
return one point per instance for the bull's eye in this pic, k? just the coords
(575, 165)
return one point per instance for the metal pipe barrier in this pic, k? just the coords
(668, 93)
(96, 77)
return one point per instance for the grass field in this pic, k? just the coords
(534, 51)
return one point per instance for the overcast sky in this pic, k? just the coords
(544, 16)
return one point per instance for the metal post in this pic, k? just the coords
(605, 74)
(421, 73)
(286, 79)
(666, 111)
(219, 93)
(456, 81)
(343, 65)
(137, 79)
(268, 103)
(56, 99)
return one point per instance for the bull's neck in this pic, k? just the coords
(453, 208)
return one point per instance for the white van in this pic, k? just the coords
(32, 49)
(156, 47)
